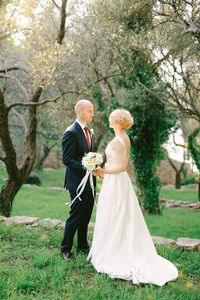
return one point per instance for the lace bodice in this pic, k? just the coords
(111, 155)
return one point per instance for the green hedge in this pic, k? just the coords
(190, 179)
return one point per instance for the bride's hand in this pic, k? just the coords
(101, 177)
(99, 172)
(96, 172)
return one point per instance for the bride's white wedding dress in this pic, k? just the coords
(122, 246)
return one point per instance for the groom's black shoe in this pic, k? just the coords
(66, 255)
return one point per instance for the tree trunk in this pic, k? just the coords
(63, 15)
(178, 173)
(199, 190)
(16, 174)
(40, 160)
(178, 180)
(148, 195)
(7, 195)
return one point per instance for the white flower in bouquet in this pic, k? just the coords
(92, 161)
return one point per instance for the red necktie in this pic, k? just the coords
(87, 136)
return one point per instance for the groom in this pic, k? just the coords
(77, 141)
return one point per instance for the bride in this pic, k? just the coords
(122, 246)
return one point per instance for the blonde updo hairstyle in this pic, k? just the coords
(122, 117)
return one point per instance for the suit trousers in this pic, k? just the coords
(78, 220)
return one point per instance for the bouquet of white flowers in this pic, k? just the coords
(92, 161)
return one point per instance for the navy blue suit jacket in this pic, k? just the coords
(74, 147)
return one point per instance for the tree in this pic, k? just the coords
(176, 37)
(173, 38)
(178, 172)
(130, 22)
(18, 173)
(152, 124)
(91, 60)
(191, 144)
(44, 53)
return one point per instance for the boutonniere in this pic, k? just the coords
(92, 131)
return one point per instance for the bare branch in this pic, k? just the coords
(148, 90)
(5, 86)
(61, 33)
(12, 33)
(20, 117)
(181, 16)
(183, 106)
(41, 132)
(13, 69)
(63, 93)
(180, 145)
(187, 79)
(172, 164)
(54, 2)
(166, 56)
(42, 102)
(18, 82)
(98, 80)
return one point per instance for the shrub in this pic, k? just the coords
(33, 179)
(190, 179)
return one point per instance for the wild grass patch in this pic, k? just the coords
(31, 267)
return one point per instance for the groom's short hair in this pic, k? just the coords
(81, 103)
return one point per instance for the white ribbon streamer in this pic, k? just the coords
(82, 185)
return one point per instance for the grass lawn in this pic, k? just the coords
(174, 223)
(56, 178)
(31, 268)
(2, 174)
(52, 177)
(184, 194)
(41, 202)
(47, 203)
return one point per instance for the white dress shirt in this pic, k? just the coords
(83, 126)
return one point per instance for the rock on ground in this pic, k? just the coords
(188, 243)
(47, 222)
(159, 240)
(21, 220)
